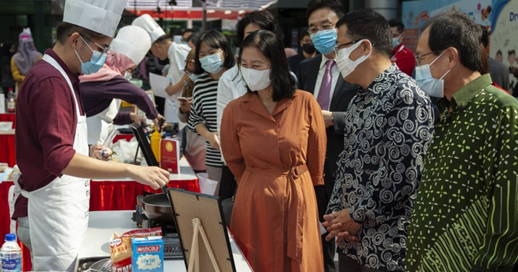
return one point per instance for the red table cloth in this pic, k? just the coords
(104, 196)
(8, 117)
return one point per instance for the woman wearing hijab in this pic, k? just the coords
(6, 78)
(103, 91)
(25, 57)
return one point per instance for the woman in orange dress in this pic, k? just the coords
(273, 139)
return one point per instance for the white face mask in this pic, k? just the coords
(127, 75)
(345, 64)
(430, 85)
(256, 79)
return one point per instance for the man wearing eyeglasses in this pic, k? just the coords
(388, 126)
(465, 216)
(321, 77)
(51, 138)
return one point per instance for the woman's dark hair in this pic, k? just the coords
(270, 45)
(216, 40)
(370, 25)
(64, 30)
(457, 30)
(264, 19)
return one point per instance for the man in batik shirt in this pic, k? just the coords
(388, 126)
(466, 212)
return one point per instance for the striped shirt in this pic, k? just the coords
(203, 111)
(465, 217)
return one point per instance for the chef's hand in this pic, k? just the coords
(341, 225)
(185, 106)
(154, 177)
(328, 117)
(213, 139)
(158, 120)
(137, 118)
(98, 151)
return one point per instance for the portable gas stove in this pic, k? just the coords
(172, 245)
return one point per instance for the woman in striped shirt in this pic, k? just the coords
(213, 57)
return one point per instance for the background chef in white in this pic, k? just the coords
(162, 47)
(51, 144)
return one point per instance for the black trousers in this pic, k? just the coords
(328, 247)
(228, 184)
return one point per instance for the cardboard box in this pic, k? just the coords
(148, 254)
(170, 155)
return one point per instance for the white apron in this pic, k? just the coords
(100, 124)
(58, 212)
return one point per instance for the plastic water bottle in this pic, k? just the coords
(11, 255)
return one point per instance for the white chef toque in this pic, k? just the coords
(150, 26)
(101, 16)
(133, 42)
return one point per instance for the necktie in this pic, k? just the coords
(325, 86)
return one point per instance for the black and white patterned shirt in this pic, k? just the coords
(387, 131)
(203, 110)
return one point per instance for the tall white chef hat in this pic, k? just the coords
(150, 26)
(101, 16)
(133, 42)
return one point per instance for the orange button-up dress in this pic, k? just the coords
(277, 158)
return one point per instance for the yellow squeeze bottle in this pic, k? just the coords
(155, 144)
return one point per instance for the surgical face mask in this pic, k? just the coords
(127, 75)
(345, 64)
(395, 42)
(256, 79)
(192, 76)
(212, 64)
(324, 40)
(309, 48)
(430, 85)
(95, 63)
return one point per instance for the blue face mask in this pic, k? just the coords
(192, 76)
(324, 40)
(430, 85)
(212, 64)
(395, 42)
(95, 63)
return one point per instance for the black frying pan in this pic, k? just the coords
(157, 207)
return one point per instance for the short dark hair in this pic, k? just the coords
(511, 52)
(264, 19)
(217, 40)
(304, 34)
(370, 25)
(162, 39)
(499, 52)
(270, 45)
(456, 29)
(397, 24)
(64, 30)
(188, 30)
(320, 4)
(194, 37)
(484, 36)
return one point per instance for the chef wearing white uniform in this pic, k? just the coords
(162, 47)
(51, 137)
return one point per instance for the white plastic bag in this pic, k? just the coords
(207, 186)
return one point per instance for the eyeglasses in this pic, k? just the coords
(340, 46)
(328, 26)
(103, 49)
(418, 57)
